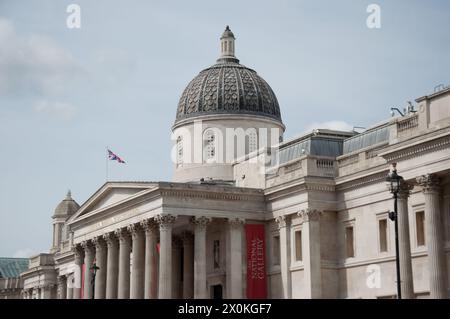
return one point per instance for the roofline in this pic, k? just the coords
(433, 95)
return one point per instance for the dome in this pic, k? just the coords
(67, 207)
(228, 87)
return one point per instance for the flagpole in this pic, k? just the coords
(107, 164)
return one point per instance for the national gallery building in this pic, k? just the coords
(308, 217)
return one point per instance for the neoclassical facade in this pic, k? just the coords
(320, 202)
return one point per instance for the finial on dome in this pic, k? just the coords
(69, 194)
(227, 46)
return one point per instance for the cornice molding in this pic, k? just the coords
(358, 182)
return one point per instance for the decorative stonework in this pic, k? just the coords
(99, 242)
(430, 183)
(165, 221)
(123, 235)
(209, 195)
(88, 246)
(359, 182)
(236, 222)
(309, 215)
(78, 254)
(135, 230)
(110, 239)
(149, 225)
(282, 221)
(417, 150)
(405, 189)
(200, 222)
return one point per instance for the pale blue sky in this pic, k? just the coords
(67, 93)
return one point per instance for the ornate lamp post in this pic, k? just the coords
(395, 182)
(94, 269)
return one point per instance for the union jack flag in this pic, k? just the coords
(114, 157)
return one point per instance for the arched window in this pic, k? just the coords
(210, 145)
(179, 150)
(252, 142)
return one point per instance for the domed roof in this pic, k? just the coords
(228, 87)
(67, 207)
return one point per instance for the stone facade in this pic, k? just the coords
(324, 204)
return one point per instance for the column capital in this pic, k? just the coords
(123, 235)
(78, 253)
(61, 279)
(201, 221)
(309, 214)
(165, 221)
(282, 221)
(110, 239)
(149, 225)
(236, 222)
(99, 242)
(405, 189)
(135, 230)
(429, 182)
(88, 246)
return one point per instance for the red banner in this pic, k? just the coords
(256, 262)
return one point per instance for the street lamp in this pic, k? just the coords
(395, 182)
(94, 269)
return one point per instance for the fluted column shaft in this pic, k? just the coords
(165, 255)
(100, 262)
(89, 254)
(69, 285)
(188, 266)
(285, 256)
(112, 268)
(151, 281)
(62, 287)
(235, 228)
(310, 219)
(124, 264)
(200, 289)
(406, 274)
(434, 237)
(77, 272)
(138, 262)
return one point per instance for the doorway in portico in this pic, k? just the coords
(217, 292)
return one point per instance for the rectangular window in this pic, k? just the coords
(420, 228)
(298, 245)
(382, 229)
(276, 250)
(350, 251)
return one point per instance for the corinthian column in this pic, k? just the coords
(235, 228)
(200, 290)
(112, 268)
(310, 219)
(138, 251)
(165, 255)
(434, 238)
(62, 287)
(285, 256)
(78, 255)
(406, 274)
(188, 265)
(124, 263)
(89, 254)
(100, 261)
(151, 281)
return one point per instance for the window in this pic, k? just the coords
(382, 230)
(349, 242)
(252, 142)
(210, 142)
(276, 250)
(420, 228)
(298, 245)
(179, 150)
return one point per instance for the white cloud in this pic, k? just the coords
(24, 253)
(330, 125)
(59, 110)
(33, 64)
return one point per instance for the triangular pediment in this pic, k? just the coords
(112, 193)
